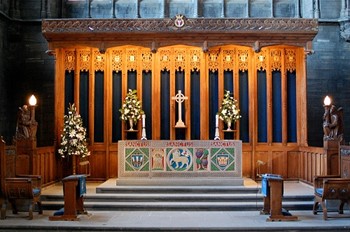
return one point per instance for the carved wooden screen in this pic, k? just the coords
(265, 85)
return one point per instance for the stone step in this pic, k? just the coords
(177, 197)
(168, 206)
(177, 189)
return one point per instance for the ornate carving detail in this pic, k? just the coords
(165, 63)
(69, 60)
(260, 25)
(228, 60)
(213, 60)
(84, 57)
(99, 61)
(146, 58)
(261, 60)
(117, 60)
(180, 59)
(276, 59)
(131, 59)
(290, 60)
(243, 59)
(195, 58)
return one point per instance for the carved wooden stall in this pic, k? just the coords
(262, 61)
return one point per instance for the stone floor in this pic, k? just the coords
(178, 220)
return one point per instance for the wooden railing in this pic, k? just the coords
(310, 161)
(313, 162)
(45, 164)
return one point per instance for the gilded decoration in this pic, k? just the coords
(131, 62)
(84, 60)
(213, 60)
(261, 60)
(117, 60)
(228, 59)
(290, 60)
(276, 59)
(180, 59)
(99, 61)
(165, 63)
(146, 57)
(69, 60)
(195, 55)
(243, 59)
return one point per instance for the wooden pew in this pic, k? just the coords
(22, 188)
(331, 188)
(15, 188)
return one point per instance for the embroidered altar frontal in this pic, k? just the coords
(180, 162)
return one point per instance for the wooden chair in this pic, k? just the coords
(331, 187)
(17, 188)
(22, 188)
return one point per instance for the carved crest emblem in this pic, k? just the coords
(137, 160)
(179, 21)
(222, 160)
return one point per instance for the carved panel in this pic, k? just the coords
(165, 59)
(99, 61)
(131, 59)
(228, 59)
(243, 56)
(84, 57)
(290, 25)
(290, 60)
(213, 60)
(180, 59)
(276, 59)
(195, 60)
(261, 60)
(117, 60)
(146, 58)
(69, 60)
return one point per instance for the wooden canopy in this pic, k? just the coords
(202, 32)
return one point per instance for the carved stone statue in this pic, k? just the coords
(26, 126)
(333, 123)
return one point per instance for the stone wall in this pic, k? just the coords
(327, 74)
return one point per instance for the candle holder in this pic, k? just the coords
(216, 134)
(143, 132)
(217, 127)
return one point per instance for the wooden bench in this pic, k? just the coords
(17, 188)
(22, 188)
(331, 188)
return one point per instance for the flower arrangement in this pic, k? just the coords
(229, 111)
(131, 108)
(73, 137)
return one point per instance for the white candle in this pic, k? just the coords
(143, 120)
(217, 121)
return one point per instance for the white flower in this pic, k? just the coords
(131, 107)
(228, 110)
(73, 137)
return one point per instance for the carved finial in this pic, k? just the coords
(205, 46)
(153, 47)
(257, 47)
(308, 48)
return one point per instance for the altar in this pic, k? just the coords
(180, 162)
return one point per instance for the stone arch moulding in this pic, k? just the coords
(201, 32)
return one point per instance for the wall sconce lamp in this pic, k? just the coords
(327, 101)
(32, 103)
